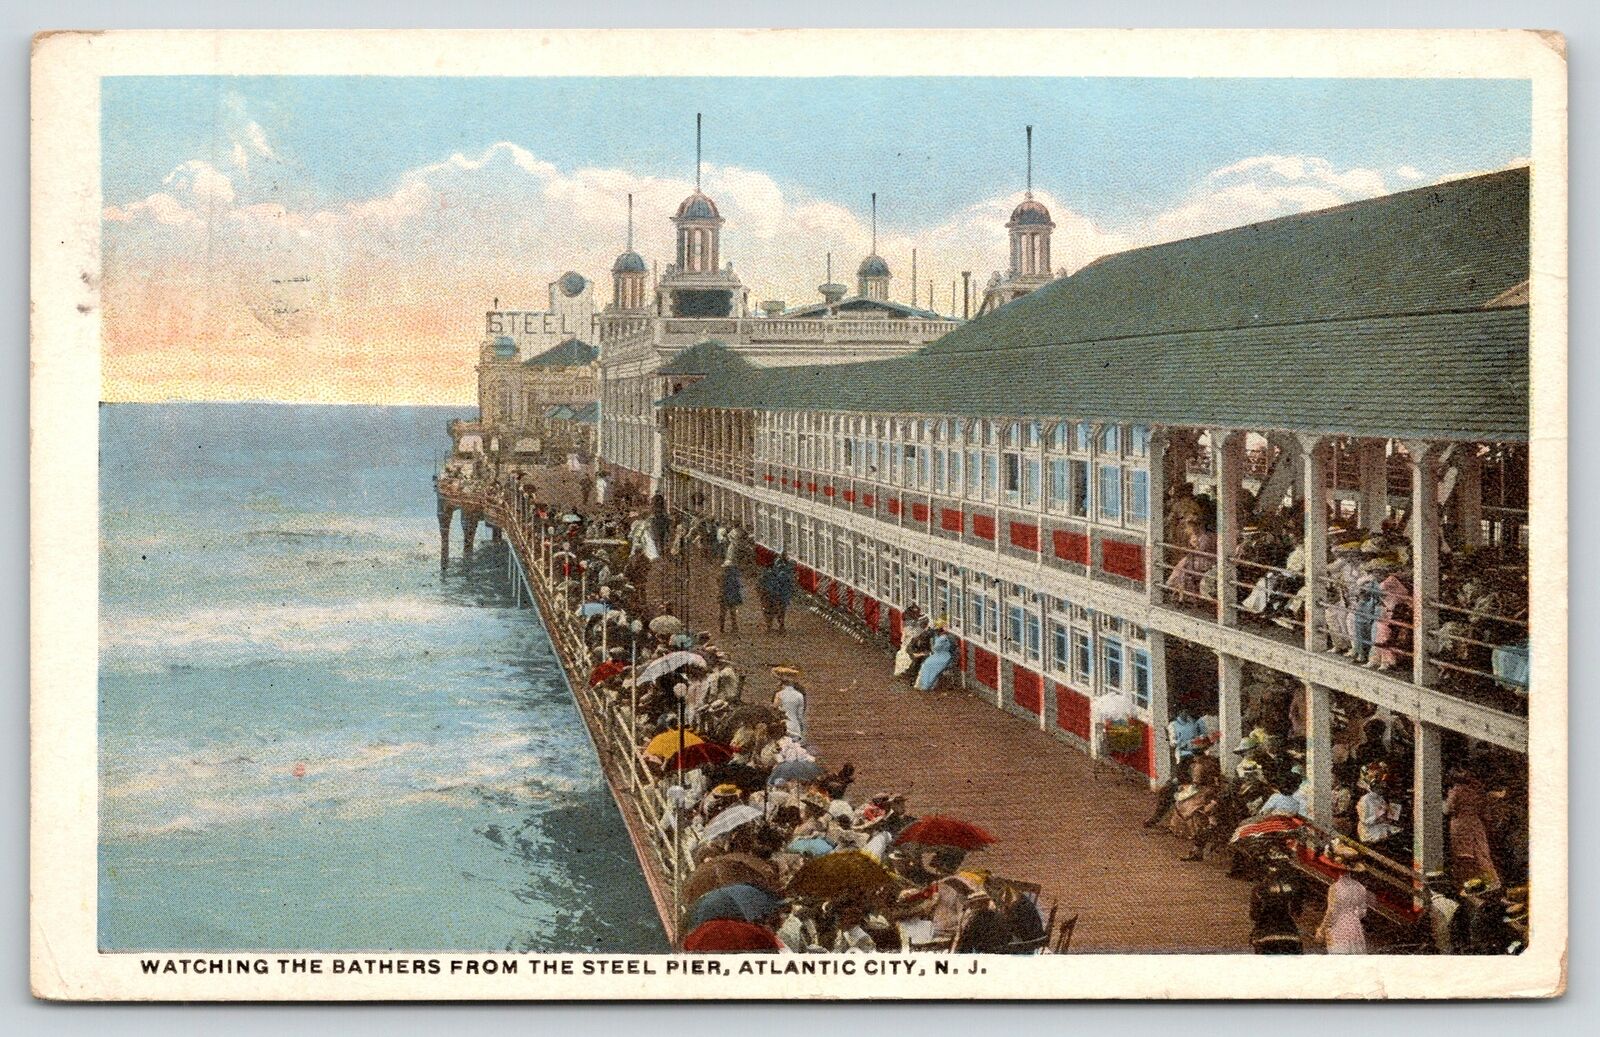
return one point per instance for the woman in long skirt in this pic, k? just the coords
(1341, 930)
(936, 663)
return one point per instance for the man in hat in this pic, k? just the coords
(777, 585)
(791, 698)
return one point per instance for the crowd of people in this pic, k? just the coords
(1364, 600)
(773, 850)
(1258, 817)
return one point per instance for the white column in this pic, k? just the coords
(1468, 494)
(1373, 460)
(1424, 555)
(1314, 462)
(1156, 531)
(1227, 462)
(1230, 672)
(1427, 798)
(1159, 708)
(1319, 752)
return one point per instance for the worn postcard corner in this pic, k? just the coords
(589, 529)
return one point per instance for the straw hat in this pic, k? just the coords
(785, 671)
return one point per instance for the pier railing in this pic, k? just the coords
(612, 728)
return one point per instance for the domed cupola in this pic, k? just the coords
(699, 225)
(628, 274)
(872, 276)
(1030, 226)
(698, 283)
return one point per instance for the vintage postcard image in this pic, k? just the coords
(673, 515)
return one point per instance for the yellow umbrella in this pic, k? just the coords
(666, 743)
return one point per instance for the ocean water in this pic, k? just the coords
(310, 737)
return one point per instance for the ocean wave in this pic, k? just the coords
(187, 792)
(250, 633)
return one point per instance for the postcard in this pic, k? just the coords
(712, 514)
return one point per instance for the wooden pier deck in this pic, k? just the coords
(1079, 834)
(1075, 831)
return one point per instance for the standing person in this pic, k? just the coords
(777, 586)
(938, 659)
(1341, 930)
(911, 627)
(1187, 738)
(1465, 804)
(1274, 903)
(791, 698)
(660, 521)
(732, 598)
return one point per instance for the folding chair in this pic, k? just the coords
(1064, 938)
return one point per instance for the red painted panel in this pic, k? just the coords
(919, 512)
(833, 593)
(961, 655)
(1072, 711)
(983, 526)
(764, 556)
(1025, 535)
(768, 477)
(986, 667)
(896, 626)
(892, 505)
(811, 487)
(850, 598)
(1122, 558)
(951, 520)
(827, 491)
(1028, 689)
(1070, 546)
(806, 577)
(869, 612)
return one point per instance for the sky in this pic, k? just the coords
(411, 203)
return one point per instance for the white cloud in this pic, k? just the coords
(202, 184)
(448, 236)
(1262, 187)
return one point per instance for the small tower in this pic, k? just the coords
(699, 224)
(872, 276)
(1030, 228)
(628, 274)
(698, 285)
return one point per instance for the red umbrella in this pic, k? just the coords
(605, 671)
(938, 830)
(1272, 824)
(699, 755)
(724, 935)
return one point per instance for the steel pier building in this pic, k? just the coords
(1082, 479)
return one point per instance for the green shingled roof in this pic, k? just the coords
(1453, 246)
(1367, 319)
(571, 353)
(1449, 376)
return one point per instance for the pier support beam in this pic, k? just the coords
(446, 513)
(469, 531)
